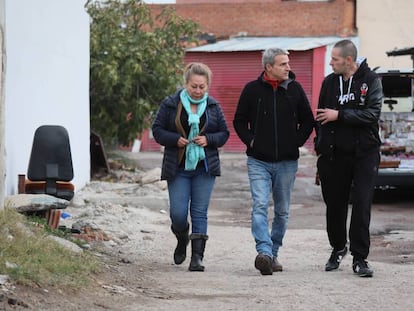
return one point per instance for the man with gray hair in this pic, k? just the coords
(273, 119)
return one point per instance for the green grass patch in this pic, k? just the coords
(28, 255)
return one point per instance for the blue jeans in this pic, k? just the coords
(278, 178)
(190, 190)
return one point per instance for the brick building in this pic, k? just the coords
(269, 18)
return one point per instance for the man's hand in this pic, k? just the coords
(326, 115)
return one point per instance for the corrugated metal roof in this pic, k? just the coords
(262, 43)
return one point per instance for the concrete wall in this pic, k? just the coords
(382, 26)
(47, 80)
(2, 154)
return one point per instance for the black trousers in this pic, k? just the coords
(339, 175)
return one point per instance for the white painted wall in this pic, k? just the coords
(382, 26)
(2, 153)
(47, 80)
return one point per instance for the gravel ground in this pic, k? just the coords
(140, 273)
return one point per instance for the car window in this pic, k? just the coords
(397, 120)
(398, 92)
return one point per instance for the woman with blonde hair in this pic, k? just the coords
(190, 125)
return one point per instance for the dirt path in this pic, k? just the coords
(140, 274)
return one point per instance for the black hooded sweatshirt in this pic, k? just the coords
(273, 124)
(359, 104)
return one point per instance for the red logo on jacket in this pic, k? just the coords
(364, 90)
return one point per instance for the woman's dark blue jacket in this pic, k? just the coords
(166, 133)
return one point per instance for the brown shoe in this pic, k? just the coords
(264, 264)
(276, 266)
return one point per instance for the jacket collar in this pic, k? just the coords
(283, 84)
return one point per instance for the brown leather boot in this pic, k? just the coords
(276, 266)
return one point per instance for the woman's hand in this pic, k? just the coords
(200, 140)
(182, 142)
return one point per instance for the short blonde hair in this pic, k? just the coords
(197, 69)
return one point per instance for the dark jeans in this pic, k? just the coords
(339, 176)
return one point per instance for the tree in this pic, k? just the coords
(135, 62)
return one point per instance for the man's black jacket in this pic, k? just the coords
(273, 124)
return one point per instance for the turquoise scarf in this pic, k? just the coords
(193, 152)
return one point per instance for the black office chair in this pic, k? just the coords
(50, 167)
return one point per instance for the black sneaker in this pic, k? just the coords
(335, 259)
(362, 268)
(264, 264)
